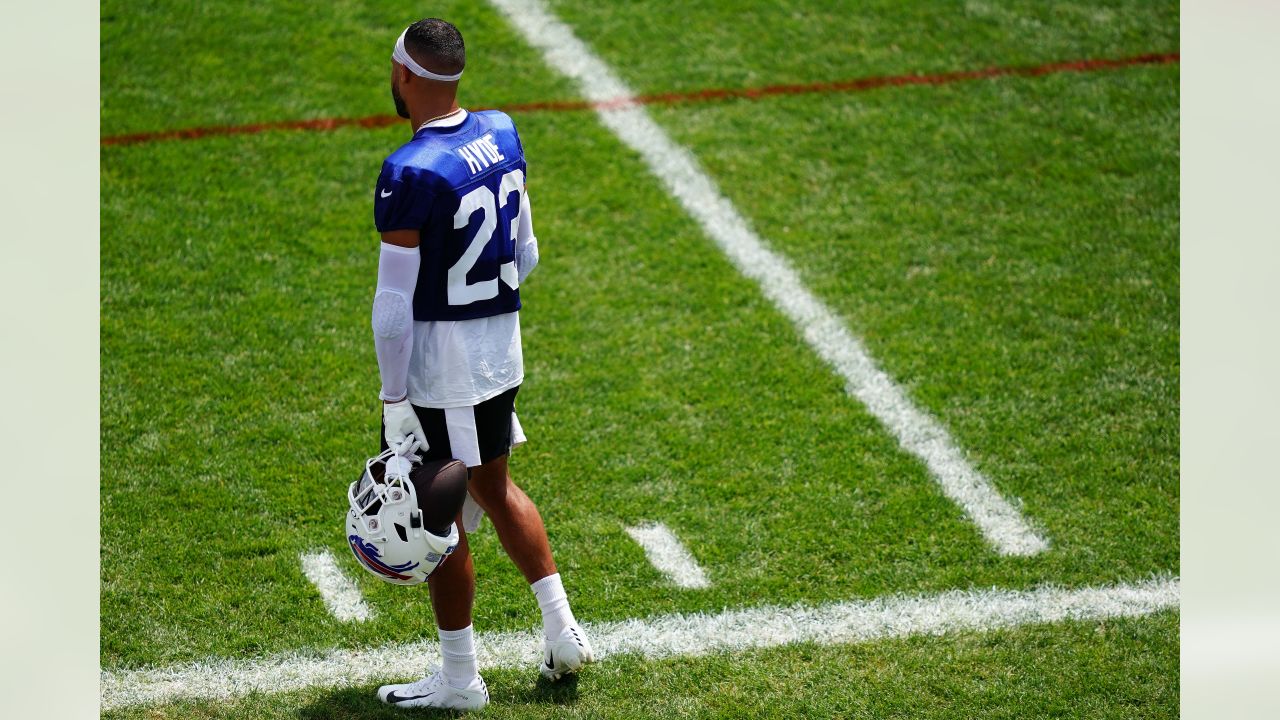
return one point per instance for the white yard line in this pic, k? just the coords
(668, 555)
(657, 637)
(338, 591)
(918, 433)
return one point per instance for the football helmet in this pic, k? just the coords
(397, 524)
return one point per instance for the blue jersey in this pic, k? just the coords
(460, 187)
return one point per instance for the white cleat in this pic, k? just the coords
(566, 654)
(433, 691)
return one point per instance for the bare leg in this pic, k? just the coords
(515, 519)
(453, 586)
(522, 534)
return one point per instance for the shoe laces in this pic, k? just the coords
(435, 677)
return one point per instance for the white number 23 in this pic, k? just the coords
(481, 198)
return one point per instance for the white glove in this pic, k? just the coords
(401, 423)
(401, 463)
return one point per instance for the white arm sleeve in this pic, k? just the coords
(393, 316)
(526, 243)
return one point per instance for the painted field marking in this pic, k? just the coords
(917, 432)
(861, 84)
(657, 637)
(668, 555)
(340, 594)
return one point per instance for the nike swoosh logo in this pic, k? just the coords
(385, 193)
(403, 698)
(549, 665)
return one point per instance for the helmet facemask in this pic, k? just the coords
(385, 529)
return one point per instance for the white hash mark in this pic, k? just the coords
(339, 593)
(668, 555)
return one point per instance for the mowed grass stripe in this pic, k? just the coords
(917, 432)
(860, 84)
(674, 635)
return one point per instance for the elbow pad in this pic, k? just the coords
(391, 314)
(526, 259)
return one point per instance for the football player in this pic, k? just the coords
(457, 241)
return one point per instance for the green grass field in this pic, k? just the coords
(1007, 248)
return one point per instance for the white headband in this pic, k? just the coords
(401, 56)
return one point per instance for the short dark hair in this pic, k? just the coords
(437, 45)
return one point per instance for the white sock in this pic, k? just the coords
(458, 648)
(556, 615)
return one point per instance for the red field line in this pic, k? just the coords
(694, 96)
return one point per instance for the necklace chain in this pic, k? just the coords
(440, 117)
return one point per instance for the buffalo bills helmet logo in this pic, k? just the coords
(370, 557)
